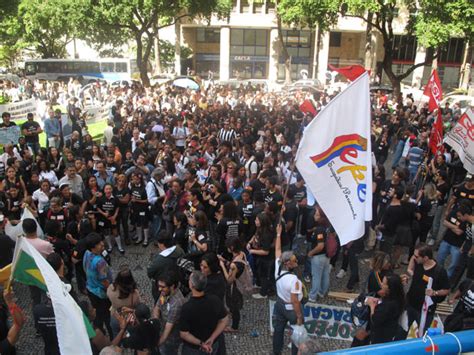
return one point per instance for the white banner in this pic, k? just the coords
(18, 110)
(461, 138)
(9, 135)
(97, 113)
(325, 321)
(334, 158)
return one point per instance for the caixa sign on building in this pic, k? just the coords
(249, 58)
(325, 321)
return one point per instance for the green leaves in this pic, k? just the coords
(309, 13)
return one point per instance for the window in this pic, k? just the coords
(298, 43)
(121, 67)
(335, 39)
(452, 52)
(208, 35)
(30, 68)
(404, 48)
(107, 67)
(249, 42)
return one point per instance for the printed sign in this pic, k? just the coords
(18, 110)
(461, 138)
(321, 320)
(9, 135)
(96, 113)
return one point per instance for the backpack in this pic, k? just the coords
(184, 269)
(360, 312)
(331, 243)
(305, 298)
(244, 282)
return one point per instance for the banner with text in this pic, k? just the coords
(97, 113)
(461, 139)
(18, 110)
(9, 135)
(325, 321)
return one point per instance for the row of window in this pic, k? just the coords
(76, 67)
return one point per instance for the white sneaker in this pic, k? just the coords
(258, 296)
(341, 274)
(431, 242)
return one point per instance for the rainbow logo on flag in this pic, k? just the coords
(342, 144)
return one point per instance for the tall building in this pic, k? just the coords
(246, 45)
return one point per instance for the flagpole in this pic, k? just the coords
(14, 261)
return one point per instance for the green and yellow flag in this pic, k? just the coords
(73, 328)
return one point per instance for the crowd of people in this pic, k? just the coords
(208, 179)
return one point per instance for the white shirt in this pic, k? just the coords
(50, 176)
(287, 285)
(42, 199)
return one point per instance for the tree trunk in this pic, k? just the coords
(157, 54)
(387, 67)
(142, 66)
(368, 42)
(466, 65)
(284, 52)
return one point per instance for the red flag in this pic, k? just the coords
(436, 138)
(351, 72)
(307, 107)
(433, 91)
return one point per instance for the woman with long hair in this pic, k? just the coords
(46, 173)
(122, 194)
(232, 270)
(228, 225)
(197, 234)
(386, 311)
(260, 247)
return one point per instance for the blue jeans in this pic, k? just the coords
(155, 226)
(319, 275)
(446, 249)
(398, 153)
(281, 317)
(437, 223)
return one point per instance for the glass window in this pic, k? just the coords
(261, 37)
(236, 50)
(335, 39)
(249, 50)
(404, 48)
(208, 35)
(237, 37)
(107, 67)
(292, 51)
(200, 35)
(260, 50)
(304, 52)
(30, 68)
(120, 67)
(249, 38)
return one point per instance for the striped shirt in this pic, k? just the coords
(227, 135)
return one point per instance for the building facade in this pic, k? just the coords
(246, 46)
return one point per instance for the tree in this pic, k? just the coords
(115, 22)
(303, 13)
(431, 22)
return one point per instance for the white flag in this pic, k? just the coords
(334, 158)
(461, 138)
(73, 329)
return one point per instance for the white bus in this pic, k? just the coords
(109, 69)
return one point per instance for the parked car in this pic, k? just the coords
(160, 79)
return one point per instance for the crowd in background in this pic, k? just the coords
(208, 179)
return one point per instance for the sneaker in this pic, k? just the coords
(258, 296)
(431, 242)
(121, 251)
(307, 279)
(138, 241)
(109, 250)
(145, 244)
(312, 300)
(341, 274)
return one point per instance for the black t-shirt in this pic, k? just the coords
(216, 285)
(121, 194)
(6, 250)
(108, 205)
(259, 189)
(416, 293)
(444, 190)
(200, 315)
(452, 238)
(10, 124)
(225, 229)
(274, 196)
(318, 237)
(139, 193)
(374, 281)
(144, 336)
(462, 192)
(31, 126)
(291, 215)
(45, 322)
(466, 303)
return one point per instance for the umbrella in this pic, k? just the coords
(186, 83)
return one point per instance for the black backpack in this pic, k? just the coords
(360, 312)
(184, 268)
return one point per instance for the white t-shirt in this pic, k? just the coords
(287, 285)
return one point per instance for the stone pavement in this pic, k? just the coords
(254, 317)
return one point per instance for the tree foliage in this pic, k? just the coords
(116, 22)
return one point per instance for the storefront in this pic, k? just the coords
(249, 54)
(206, 63)
(298, 45)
